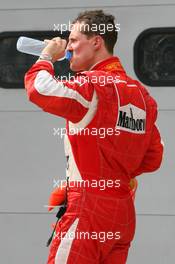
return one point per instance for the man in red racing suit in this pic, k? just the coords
(111, 138)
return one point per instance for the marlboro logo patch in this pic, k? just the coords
(131, 119)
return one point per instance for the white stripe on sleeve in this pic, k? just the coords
(46, 85)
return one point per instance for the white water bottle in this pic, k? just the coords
(35, 47)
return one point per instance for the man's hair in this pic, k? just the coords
(96, 22)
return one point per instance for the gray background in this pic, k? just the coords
(31, 157)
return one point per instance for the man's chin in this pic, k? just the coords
(75, 68)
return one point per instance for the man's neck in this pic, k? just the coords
(100, 59)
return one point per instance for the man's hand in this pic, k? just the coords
(55, 48)
(57, 197)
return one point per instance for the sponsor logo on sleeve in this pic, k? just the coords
(132, 119)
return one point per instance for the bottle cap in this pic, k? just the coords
(68, 55)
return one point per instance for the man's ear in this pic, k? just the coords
(97, 42)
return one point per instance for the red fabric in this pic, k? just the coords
(97, 214)
(128, 154)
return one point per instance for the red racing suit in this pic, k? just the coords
(111, 137)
